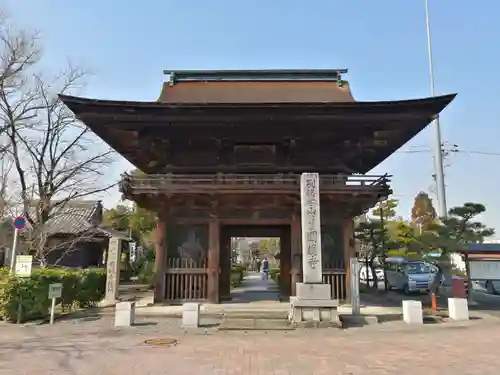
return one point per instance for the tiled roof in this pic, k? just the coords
(256, 92)
(110, 232)
(73, 217)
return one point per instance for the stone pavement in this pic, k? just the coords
(90, 346)
(254, 289)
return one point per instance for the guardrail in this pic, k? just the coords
(243, 182)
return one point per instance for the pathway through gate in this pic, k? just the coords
(254, 289)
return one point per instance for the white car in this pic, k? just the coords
(379, 272)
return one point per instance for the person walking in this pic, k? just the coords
(437, 278)
(258, 264)
(265, 269)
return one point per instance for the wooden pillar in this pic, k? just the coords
(349, 250)
(213, 260)
(296, 252)
(160, 258)
(285, 263)
(225, 266)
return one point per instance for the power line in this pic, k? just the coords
(485, 153)
(457, 151)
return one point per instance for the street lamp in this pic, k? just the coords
(438, 154)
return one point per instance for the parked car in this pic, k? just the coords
(491, 286)
(410, 276)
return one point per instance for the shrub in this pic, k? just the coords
(238, 272)
(81, 288)
(235, 279)
(126, 271)
(144, 268)
(146, 272)
(274, 274)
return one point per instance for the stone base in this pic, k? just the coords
(412, 312)
(458, 309)
(124, 314)
(314, 313)
(349, 320)
(313, 291)
(107, 302)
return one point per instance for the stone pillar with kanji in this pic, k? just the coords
(313, 304)
(112, 271)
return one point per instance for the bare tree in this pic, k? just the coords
(56, 159)
(5, 201)
(18, 54)
(6, 230)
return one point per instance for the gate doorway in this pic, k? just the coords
(230, 236)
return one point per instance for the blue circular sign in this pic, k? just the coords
(19, 222)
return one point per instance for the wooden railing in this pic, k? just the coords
(186, 280)
(337, 281)
(272, 183)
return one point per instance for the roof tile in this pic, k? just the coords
(73, 217)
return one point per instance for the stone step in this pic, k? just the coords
(241, 324)
(257, 314)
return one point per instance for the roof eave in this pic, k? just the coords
(273, 75)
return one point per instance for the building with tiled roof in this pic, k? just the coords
(75, 235)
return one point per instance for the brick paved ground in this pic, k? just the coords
(92, 347)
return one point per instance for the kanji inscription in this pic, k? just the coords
(311, 228)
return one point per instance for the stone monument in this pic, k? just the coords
(313, 305)
(112, 271)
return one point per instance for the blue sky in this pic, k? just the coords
(126, 45)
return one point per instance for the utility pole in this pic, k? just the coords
(382, 248)
(446, 151)
(438, 155)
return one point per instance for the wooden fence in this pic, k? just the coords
(186, 280)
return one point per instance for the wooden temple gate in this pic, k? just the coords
(222, 149)
(194, 230)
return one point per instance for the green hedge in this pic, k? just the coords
(144, 268)
(146, 273)
(238, 272)
(81, 289)
(274, 274)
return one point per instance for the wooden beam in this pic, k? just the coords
(229, 115)
(332, 168)
(264, 133)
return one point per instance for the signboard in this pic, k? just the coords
(132, 251)
(19, 223)
(55, 290)
(23, 265)
(484, 269)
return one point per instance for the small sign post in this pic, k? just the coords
(23, 265)
(55, 291)
(19, 224)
